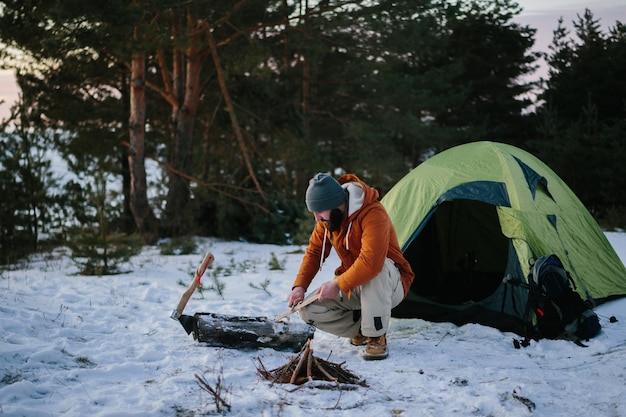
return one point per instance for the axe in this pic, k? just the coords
(189, 322)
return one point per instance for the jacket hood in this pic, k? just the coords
(360, 194)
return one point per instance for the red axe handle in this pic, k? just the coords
(208, 258)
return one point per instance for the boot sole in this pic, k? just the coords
(375, 356)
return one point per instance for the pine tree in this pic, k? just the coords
(96, 248)
(30, 203)
(581, 126)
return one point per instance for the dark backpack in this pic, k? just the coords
(559, 311)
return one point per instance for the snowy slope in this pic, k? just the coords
(105, 346)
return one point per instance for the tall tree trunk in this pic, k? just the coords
(185, 96)
(177, 220)
(147, 223)
(128, 225)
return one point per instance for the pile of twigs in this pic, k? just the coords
(305, 367)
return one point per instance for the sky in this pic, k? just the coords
(540, 14)
(544, 15)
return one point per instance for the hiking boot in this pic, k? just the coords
(376, 348)
(358, 339)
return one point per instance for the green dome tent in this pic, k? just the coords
(473, 219)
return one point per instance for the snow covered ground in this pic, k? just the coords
(105, 346)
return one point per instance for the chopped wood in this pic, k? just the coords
(305, 367)
(303, 357)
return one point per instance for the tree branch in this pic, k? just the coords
(231, 111)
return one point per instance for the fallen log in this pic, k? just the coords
(243, 332)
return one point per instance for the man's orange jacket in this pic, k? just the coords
(363, 242)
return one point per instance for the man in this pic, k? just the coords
(373, 276)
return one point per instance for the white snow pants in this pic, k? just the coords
(368, 308)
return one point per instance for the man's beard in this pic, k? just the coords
(334, 220)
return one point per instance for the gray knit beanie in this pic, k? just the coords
(324, 193)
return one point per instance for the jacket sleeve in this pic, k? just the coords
(375, 232)
(313, 256)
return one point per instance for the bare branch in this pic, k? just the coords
(231, 110)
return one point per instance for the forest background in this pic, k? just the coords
(201, 118)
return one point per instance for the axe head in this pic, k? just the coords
(189, 323)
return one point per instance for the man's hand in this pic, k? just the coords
(295, 297)
(328, 290)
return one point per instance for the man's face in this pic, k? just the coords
(322, 216)
(331, 218)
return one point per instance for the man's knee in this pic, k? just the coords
(313, 313)
(304, 314)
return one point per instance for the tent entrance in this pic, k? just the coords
(461, 255)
